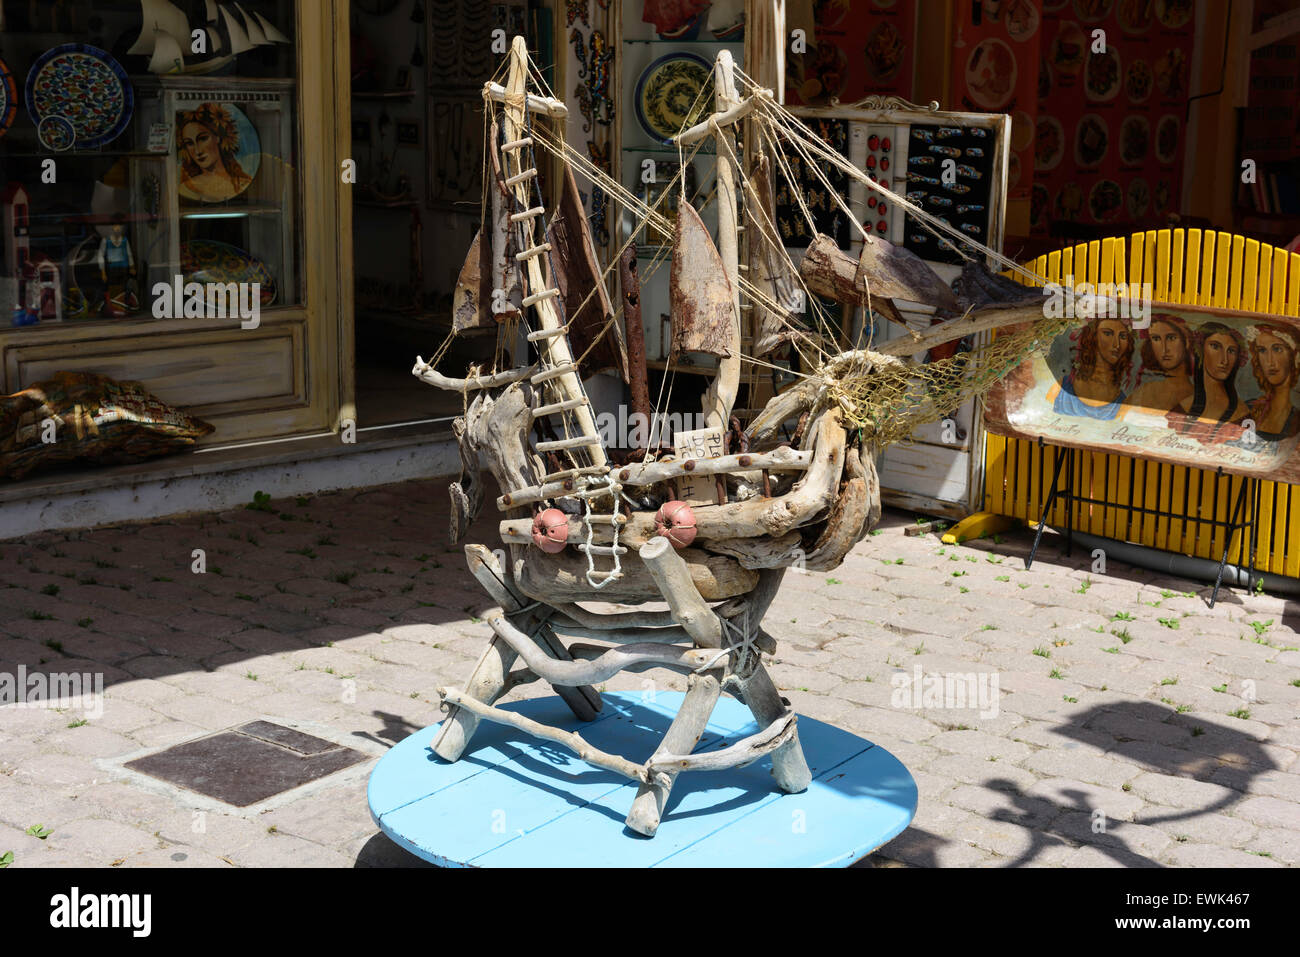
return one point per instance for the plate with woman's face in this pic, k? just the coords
(218, 151)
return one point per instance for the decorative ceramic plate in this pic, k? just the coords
(218, 151)
(8, 99)
(56, 133)
(991, 73)
(86, 86)
(668, 89)
(206, 260)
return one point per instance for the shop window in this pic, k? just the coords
(148, 146)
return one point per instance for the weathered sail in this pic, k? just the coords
(699, 290)
(587, 308)
(885, 271)
(769, 268)
(471, 305)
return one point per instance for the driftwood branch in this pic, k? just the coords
(535, 104)
(622, 636)
(610, 663)
(981, 320)
(778, 460)
(725, 118)
(789, 767)
(575, 743)
(490, 678)
(754, 518)
(683, 734)
(563, 577)
(674, 580)
(426, 373)
(743, 752)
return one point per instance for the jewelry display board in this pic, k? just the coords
(954, 165)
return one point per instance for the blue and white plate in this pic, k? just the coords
(56, 133)
(84, 85)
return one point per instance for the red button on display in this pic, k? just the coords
(871, 201)
(871, 162)
(881, 226)
(873, 142)
(885, 144)
(884, 162)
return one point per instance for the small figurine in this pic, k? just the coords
(116, 263)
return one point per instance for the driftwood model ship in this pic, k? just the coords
(709, 527)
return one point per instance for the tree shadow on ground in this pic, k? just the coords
(1080, 818)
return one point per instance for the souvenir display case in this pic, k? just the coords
(226, 186)
(130, 158)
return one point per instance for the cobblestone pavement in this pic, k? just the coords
(1134, 726)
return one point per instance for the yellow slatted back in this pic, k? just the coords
(1184, 267)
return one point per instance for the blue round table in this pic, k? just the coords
(513, 800)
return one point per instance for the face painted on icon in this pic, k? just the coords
(1274, 358)
(1113, 341)
(1168, 346)
(201, 146)
(1221, 352)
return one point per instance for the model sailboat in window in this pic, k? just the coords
(711, 525)
(169, 35)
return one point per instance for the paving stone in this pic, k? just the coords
(88, 741)
(1095, 770)
(999, 800)
(920, 849)
(285, 850)
(1180, 792)
(1094, 855)
(977, 769)
(981, 744)
(206, 711)
(1269, 783)
(101, 841)
(1270, 812)
(1067, 794)
(1279, 844)
(1199, 827)
(1092, 830)
(1211, 855)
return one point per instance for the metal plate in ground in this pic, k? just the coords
(248, 764)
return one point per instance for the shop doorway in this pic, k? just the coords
(403, 243)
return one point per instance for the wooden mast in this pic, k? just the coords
(559, 367)
(721, 395)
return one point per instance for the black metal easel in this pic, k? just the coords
(1065, 457)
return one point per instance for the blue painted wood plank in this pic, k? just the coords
(543, 782)
(847, 812)
(410, 770)
(555, 810)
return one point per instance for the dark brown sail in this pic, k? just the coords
(578, 276)
(699, 290)
(471, 303)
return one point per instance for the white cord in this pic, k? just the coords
(616, 492)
